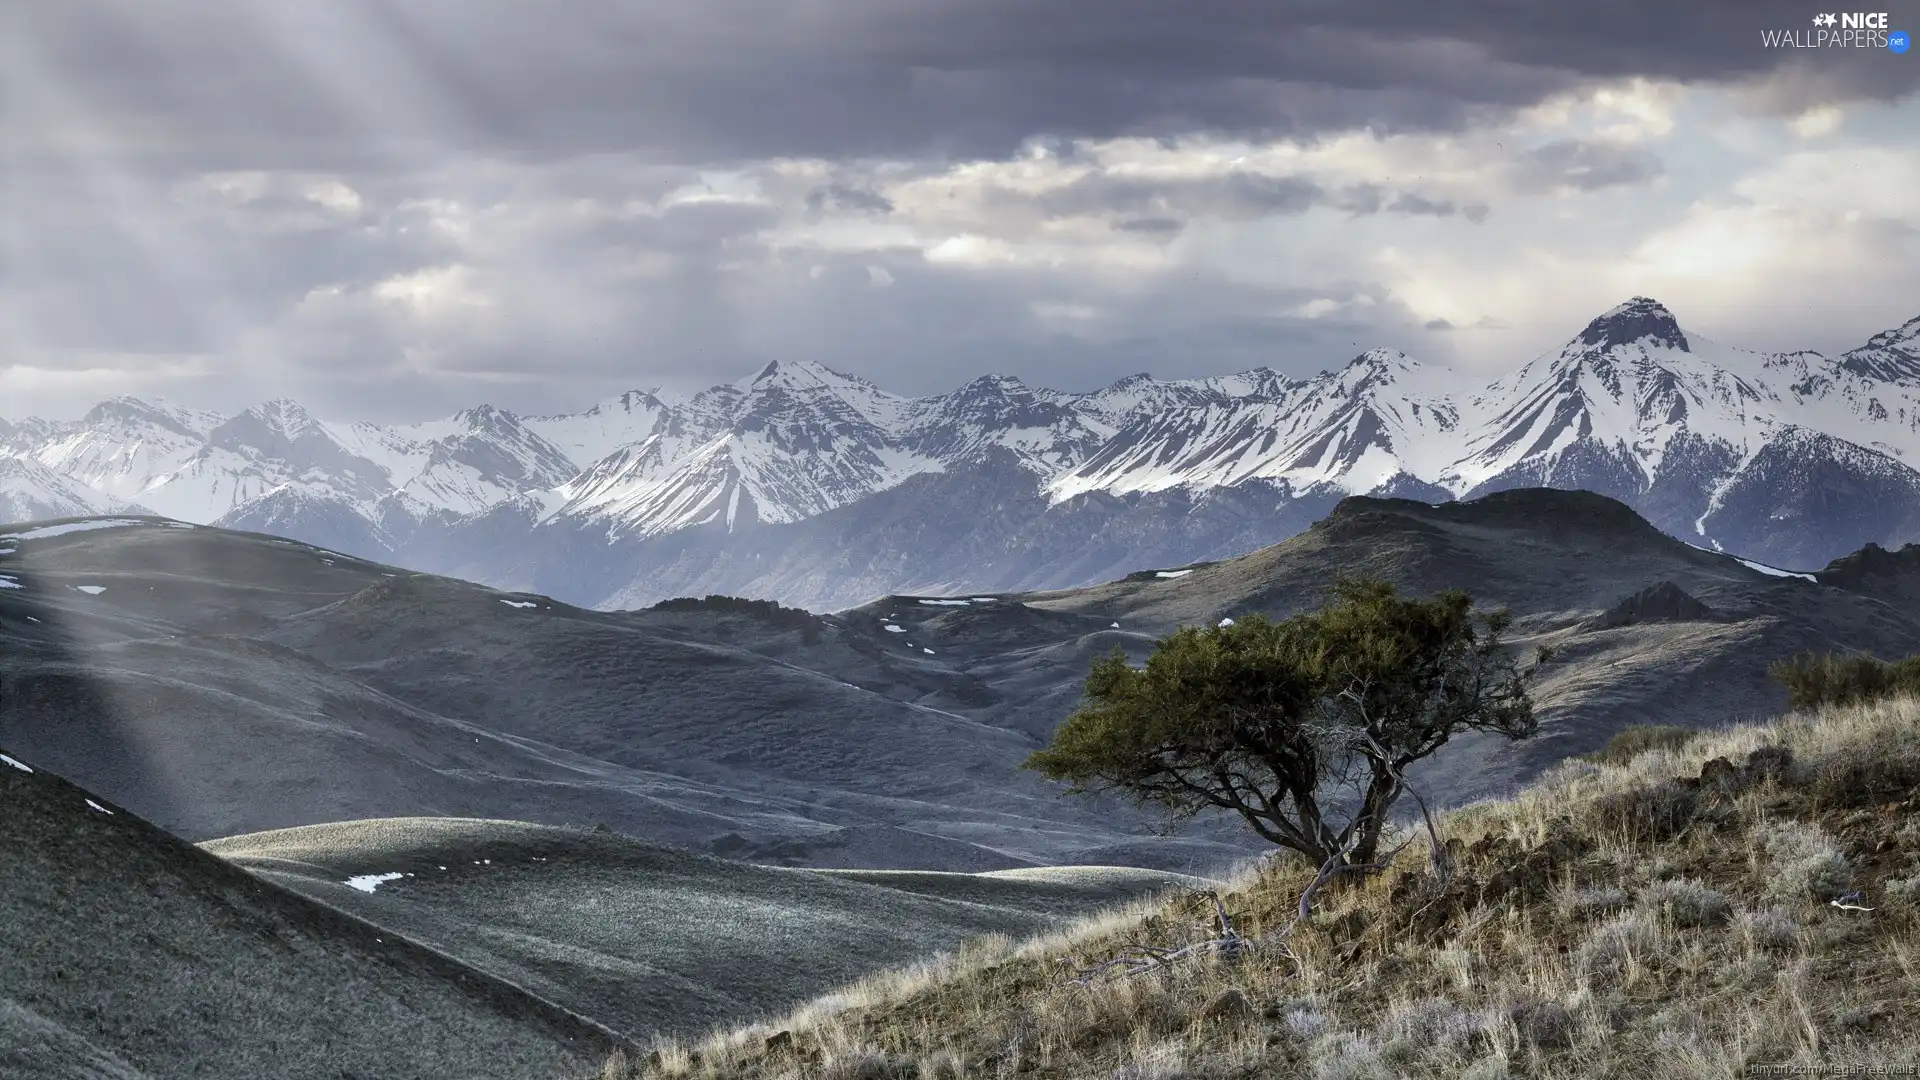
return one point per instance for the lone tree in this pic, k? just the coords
(1280, 721)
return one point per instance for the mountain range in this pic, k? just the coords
(821, 490)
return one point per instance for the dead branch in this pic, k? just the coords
(1138, 958)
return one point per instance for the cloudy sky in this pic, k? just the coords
(392, 209)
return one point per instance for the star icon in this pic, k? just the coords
(1819, 20)
(1830, 19)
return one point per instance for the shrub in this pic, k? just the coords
(1804, 863)
(1650, 814)
(1904, 890)
(1770, 930)
(1545, 1024)
(1614, 944)
(1630, 742)
(766, 611)
(1814, 680)
(1432, 1022)
(1349, 1056)
(861, 1064)
(1599, 900)
(1686, 902)
(1303, 1019)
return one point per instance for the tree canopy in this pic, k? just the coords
(1302, 727)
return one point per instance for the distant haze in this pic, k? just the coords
(393, 209)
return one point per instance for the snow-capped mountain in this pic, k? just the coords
(30, 491)
(1356, 430)
(782, 481)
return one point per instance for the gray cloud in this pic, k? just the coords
(361, 82)
(847, 197)
(1153, 226)
(1585, 165)
(524, 149)
(1159, 206)
(1237, 196)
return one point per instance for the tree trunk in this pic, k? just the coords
(1382, 791)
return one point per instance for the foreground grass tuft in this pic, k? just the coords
(1690, 909)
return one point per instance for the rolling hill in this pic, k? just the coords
(224, 683)
(646, 939)
(128, 954)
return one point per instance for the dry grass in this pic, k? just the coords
(1666, 916)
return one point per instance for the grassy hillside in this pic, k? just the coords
(1748, 897)
(128, 954)
(645, 939)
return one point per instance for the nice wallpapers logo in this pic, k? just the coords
(1845, 30)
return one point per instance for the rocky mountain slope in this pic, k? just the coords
(804, 485)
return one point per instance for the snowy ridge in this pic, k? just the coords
(1707, 439)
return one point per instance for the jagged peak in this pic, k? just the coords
(283, 415)
(1889, 356)
(128, 407)
(1904, 337)
(1640, 319)
(994, 382)
(1373, 367)
(486, 416)
(799, 375)
(632, 399)
(1381, 359)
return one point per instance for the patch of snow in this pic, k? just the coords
(1115, 626)
(100, 808)
(520, 603)
(1226, 622)
(1172, 573)
(1773, 571)
(8, 550)
(366, 883)
(8, 583)
(929, 652)
(91, 590)
(893, 629)
(4, 759)
(46, 531)
(946, 603)
(986, 599)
